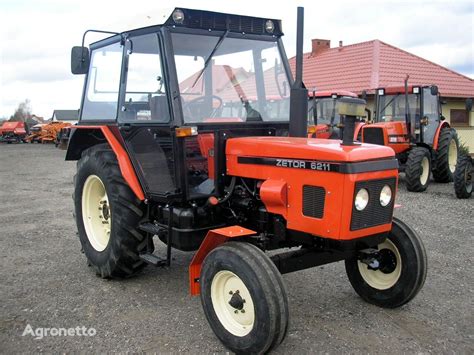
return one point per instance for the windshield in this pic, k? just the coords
(325, 111)
(224, 79)
(392, 107)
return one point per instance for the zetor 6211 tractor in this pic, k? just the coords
(159, 156)
(408, 119)
(324, 120)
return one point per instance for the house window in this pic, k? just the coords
(459, 117)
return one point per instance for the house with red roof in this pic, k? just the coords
(375, 64)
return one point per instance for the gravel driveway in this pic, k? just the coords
(45, 281)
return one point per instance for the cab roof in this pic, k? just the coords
(206, 20)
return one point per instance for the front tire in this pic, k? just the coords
(446, 156)
(243, 298)
(463, 177)
(418, 168)
(107, 215)
(401, 273)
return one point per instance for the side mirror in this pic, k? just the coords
(469, 104)
(434, 90)
(80, 60)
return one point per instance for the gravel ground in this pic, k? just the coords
(45, 281)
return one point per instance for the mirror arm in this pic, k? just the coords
(96, 31)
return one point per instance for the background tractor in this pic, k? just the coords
(408, 119)
(158, 156)
(324, 120)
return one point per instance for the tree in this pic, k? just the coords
(23, 112)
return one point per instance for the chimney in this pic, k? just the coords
(340, 43)
(319, 46)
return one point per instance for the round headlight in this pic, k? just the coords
(178, 16)
(361, 199)
(269, 26)
(385, 195)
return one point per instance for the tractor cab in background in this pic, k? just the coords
(324, 120)
(408, 119)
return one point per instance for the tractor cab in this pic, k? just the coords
(324, 120)
(211, 73)
(408, 117)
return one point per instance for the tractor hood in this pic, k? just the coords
(392, 127)
(305, 149)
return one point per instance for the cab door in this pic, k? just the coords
(144, 116)
(431, 115)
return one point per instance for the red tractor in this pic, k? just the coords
(324, 120)
(157, 159)
(408, 119)
(12, 132)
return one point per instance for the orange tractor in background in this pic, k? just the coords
(46, 133)
(408, 119)
(324, 120)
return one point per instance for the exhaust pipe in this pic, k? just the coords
(299, 93)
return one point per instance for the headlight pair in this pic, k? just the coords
(362, 198)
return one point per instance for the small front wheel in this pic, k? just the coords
(398, 273)
(243, 298)
(418, 169)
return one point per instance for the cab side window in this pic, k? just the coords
(103, 82)
(145, 96)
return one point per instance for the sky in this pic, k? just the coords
(37, 36)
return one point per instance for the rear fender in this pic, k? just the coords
(441, 126)
(84, 137)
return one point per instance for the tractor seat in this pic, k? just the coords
(159, 108)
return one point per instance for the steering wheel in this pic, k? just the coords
(199, 101)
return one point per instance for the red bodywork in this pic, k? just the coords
(335, 223)
(394, 130)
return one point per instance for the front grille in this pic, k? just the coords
(374, 214)
(313, 201)
(373, 135)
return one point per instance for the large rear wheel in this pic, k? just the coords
(446, 155)
(397, 273)
(463, 177)
(243, 298)
(418, 169)
(107, 215)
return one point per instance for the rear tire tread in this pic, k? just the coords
(122, 252)
(414, 170)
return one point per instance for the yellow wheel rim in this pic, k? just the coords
(227, 289)
(96, 213)
(378, 279)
